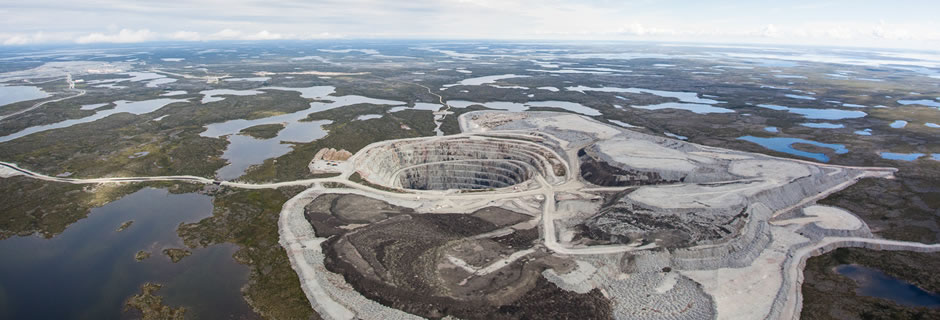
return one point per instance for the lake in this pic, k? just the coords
(134, 107)
(874, 283)
(821, 114)
(89, 270)
(14, 94)
(900, 156)
(785, 145)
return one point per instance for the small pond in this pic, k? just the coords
(874, 283)
(785, 145)
(900, 156)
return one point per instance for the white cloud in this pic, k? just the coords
(322, 35)
(799, 22)
(124, 36)
(263, 35)
(186, 36)
(229, 34)
(770, 31)
(24, 39)
(144, 35)
(226, 34)
(885, 31)
(635, 29)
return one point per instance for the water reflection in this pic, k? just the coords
(134, 107)
(923, 102)
(874, 283)
(821, 114)
(785, 145)
(243, 151)
(13, 94)
(900, 156)
(88, 271)
(822, 125)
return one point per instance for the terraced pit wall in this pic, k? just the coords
(465, 163)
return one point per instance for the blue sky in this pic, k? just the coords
(897, 24)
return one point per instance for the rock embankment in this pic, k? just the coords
(331, 154)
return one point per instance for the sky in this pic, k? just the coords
(864, 23)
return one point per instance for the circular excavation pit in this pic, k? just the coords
(461, 163)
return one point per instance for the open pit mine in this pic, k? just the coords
(555, 215)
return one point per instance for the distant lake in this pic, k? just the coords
(785, 145)
(897, 124)
(89, 270)
(874, 283)
(14, 94)
(923, 102)
(822, 125)
(821, 114)
(243, 151)
(900, 156)
(134, 107)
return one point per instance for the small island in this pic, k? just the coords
(151, 305)
(263, 131)
(141, 255)
(176, 254)
(125, 225)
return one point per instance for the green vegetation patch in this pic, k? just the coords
(125, 225)
(151, 306)
(173, 146)
(141, 255)
(263, 131)
(904, 208)
(347, 113)
(177, 254)
(450, 125)
(349, 135)
(29, 206)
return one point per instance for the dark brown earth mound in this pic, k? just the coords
(629, 223)
(520, 239)
(529, 295)
(499, 216)
(401, 259)
(328, 212)
(601, 173)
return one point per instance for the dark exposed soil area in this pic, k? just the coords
(829, 295)
(396, 260)
(499, 216)
(603, 174)
(328, 212)
(547, 301)
(539, 300)
(520, 239)
(906, 208)
(629, 223)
